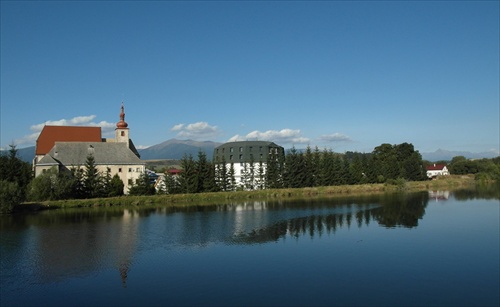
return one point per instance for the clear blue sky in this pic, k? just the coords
(339, 75)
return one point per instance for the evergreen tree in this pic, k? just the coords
(188, 178)
(232, 178)
(209, 183)
(202, 172)
(92, 179)
(13, 169)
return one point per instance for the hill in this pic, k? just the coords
(26, 154)
(175, 149)
(447, 155)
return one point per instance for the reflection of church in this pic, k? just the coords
(87, 242)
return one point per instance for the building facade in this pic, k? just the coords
(66, 148)
(248, 159)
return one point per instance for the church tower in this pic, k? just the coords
(121, 130)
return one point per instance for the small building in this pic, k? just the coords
(246, 157)
(437, 170)
(67, 147)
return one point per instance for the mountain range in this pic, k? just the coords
(175, 149)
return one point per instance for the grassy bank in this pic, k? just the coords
(443, 183)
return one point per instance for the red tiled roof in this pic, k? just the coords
(52, 134)
(435, 167)
(174, 171)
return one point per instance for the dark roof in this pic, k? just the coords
(435, 167)
(52, 134)
(246, 151)
(75, 153)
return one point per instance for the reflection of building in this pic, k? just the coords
(65, 148)
(437, 170)
(439, 195)
(100, 240)
(248, 158)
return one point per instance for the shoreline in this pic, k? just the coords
(200, 199)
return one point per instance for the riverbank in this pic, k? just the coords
(441, 183)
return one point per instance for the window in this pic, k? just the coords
(241, 149)
(250, 148)
(130, 181)
(138, 169)
(130, 170)
(231, 149)
(241, 157)
(123, 133)
(231, 157)
(120, 170)
(260, 148)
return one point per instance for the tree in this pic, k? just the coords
(188, 178)
(115, 186)
(202, 172)
(13, 169)
(10, 196)
(15, 175)
(142, 186)
(92, 179)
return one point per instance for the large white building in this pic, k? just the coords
(67, 147)
(248, 159)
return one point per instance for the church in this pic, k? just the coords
(67, 147)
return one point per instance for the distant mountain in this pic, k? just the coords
(446, 155)
(175, 149)
(25, 154)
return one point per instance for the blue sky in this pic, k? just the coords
(342, 75)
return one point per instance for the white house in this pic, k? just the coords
(437, 170)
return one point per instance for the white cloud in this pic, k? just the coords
(196, 131)
(284, 136)
(106, 127)
(335, 137)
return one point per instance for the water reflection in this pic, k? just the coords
(402, 210)
(71, 243)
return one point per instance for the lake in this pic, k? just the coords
(429, 248)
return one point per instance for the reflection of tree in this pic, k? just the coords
(395, 210)
(402, 209)
(483, 191)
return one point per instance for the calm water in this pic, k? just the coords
(419, 249)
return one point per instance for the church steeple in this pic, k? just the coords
(122, 123)
(121, 130)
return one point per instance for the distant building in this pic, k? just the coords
(67, 147)
(246, 157)
(437, 170)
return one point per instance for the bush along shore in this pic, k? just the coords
(197, 199)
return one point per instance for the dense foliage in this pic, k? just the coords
(484, 169)
(15, 176)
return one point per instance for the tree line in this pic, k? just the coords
(297, 169)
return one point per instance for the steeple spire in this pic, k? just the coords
(122, 123)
